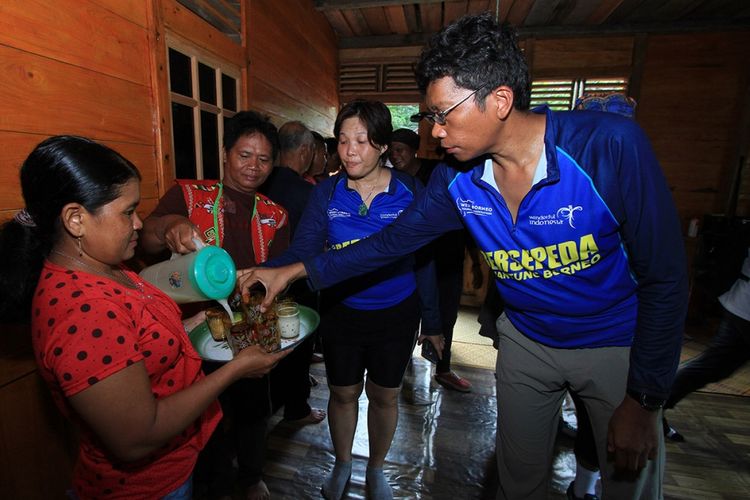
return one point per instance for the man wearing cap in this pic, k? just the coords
(403, 155)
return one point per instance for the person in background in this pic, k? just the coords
(367, 324)
(317, 171)
(728, 350)
(333, 165)
(567, 209)
(251, 228)
(448, 251)
(403, 155)
(290, 381)
(286, 181)
(111, 347)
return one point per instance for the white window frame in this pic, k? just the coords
(197, 55)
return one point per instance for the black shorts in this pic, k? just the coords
(377, 341)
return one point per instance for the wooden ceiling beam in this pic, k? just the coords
(554, 31)
(364, 42)
(397, 20)
(453, 10)
(603, 11)
(360, 4)
(519, 11)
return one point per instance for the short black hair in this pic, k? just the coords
(248, 123)
(318, 137)
(374, 114)
(476, 51)
(331, 144)
(406, 136)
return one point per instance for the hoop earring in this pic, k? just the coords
(80, 249)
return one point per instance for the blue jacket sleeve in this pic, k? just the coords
(427, 288)
(430, 215)
(651, 231)
(429, 301)
(310, 235)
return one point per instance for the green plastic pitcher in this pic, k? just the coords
(208, 273)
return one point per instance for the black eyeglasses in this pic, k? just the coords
(439, 116)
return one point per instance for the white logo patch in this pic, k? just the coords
(468, 207)
(335, 213)
(390, 215)
(568, 213)
(562, 215)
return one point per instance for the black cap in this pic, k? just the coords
(406, 136)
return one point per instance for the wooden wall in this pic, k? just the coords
(693, 105)
(98, 68)
(693, 101)
(38, 446)
(293, 63)
(80, 68)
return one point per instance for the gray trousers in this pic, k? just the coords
(531, 382)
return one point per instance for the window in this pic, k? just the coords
(562, 94)
(203, 93)
(401, 114)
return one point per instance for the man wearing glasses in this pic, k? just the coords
(572, 213)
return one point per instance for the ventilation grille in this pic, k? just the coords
(562, 94)
(376, 78)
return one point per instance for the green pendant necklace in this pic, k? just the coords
(363, 209)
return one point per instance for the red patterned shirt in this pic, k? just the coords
(85, 328)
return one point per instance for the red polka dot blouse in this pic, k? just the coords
(85, 328)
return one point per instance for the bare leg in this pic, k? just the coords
(343, 409)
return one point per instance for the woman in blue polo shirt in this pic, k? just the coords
(367, 323)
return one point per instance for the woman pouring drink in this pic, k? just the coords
(111, 347)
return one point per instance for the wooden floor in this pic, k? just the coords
(444, 446)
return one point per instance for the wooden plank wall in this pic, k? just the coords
(293, 63)
(98, 68)
(693, 93)
(79, 68)
(693, 102)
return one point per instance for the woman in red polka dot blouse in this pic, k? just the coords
(111, 347)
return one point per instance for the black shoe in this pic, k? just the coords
(670, 433)
(572, 496)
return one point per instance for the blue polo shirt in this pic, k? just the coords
(331, 222)
(594, 258)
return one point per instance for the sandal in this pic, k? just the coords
(450, 380)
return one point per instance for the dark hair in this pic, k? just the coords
(476, 51)
(318, 137)
(248, 123)
(331, 144)
(406, 136)
(60, 170)
(374, 114)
